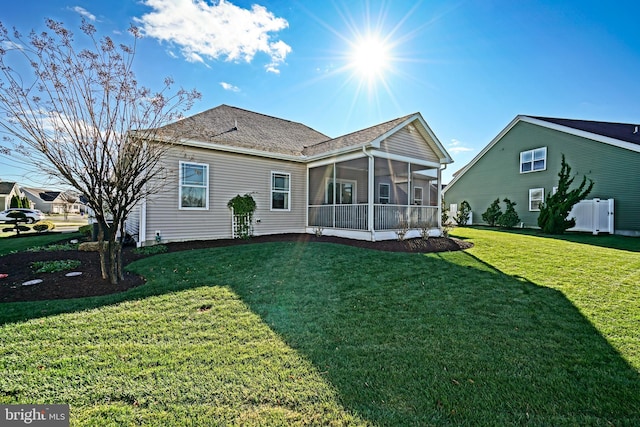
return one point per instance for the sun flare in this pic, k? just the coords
(370, 57)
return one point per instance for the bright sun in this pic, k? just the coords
(370, 57)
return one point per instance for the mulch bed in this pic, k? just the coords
(90, 282)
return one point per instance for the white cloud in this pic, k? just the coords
(456, 147)
(229, 87)
(217, 31)
(84, 12)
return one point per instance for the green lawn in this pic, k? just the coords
(518, 330)
(11, 243)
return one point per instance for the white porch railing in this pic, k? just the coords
(386, 217)
(394, 217)
(338, 216)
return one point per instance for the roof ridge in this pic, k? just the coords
(362, 130)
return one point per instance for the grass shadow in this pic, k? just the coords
(421, 340)
(410, 339)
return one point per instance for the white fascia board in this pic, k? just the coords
(354, 154)
(583, 134)
(473, 161)
(390, 156)
(444, 156)
(376, 142)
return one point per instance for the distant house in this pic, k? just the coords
(7, 191)
(52, 201)
(523, 161)
(364, 185)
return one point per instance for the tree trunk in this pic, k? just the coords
(113, 260)
(101, 250)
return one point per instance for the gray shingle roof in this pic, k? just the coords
(44, 195)
(6, 187)
(354, 139)
(621, 131)
(232, 126)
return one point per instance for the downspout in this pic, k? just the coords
(409, 195)
(370, 193)
(142, 223)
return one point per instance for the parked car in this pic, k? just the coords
(33, 215)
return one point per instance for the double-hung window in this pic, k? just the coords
(280, 191)
(383, 193)
(417, 195)
(536, 198)
(194, 186)
(533, 160)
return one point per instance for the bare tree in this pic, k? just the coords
(72, 112)
(68, 199)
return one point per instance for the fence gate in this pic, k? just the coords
(595, 216)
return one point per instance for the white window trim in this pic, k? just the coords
(206, 187)
(421, 198)
(287, 192)
(340, 181)
(530, 200)
(522, 153)
(380, 184)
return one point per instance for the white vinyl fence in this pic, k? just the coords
(594, 216)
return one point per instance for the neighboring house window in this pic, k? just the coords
(536, 197)
(194, 186)
(280, 190)
(383, 194)
(345, 191)
(417, 195)
(533, 160)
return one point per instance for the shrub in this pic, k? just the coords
(243, 208)
(556, 207)
(16, 218)
(54, 266)
(86, 230)
(54, 247)
(42, 226)
(509, 218)
(493, 213)
(150, 250)
(444, 216)
(462, 216)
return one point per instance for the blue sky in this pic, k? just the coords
(469, 67)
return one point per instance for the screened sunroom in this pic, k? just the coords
(373, 197)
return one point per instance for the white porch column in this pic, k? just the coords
(371, 196)
(439, 184)
(409, 194)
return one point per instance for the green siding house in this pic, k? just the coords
(523, 161)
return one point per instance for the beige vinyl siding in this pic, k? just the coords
(229, 175)
(410, 144)
(132, 225)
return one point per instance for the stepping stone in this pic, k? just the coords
(74, 274)
(32, 282)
